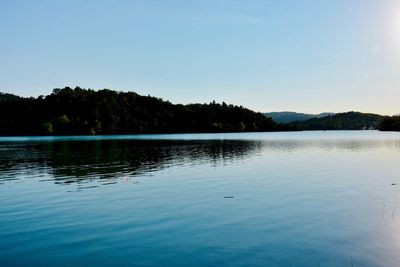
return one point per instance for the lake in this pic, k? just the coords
(248, 199)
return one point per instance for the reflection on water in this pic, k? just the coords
(79, 161)
(264, 199)
(69, 162)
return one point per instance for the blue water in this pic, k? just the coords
(257, 199)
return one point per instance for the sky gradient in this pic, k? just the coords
(298, 55)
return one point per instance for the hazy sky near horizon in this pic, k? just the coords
(267, 55)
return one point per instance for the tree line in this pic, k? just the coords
(78, 111)
(391, 124)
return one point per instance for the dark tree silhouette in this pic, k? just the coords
(390, 124)
(80, 111)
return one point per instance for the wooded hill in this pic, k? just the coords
(341, 121)
(76, 111)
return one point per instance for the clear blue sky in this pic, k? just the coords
(300, 55)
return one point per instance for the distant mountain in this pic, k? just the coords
(341, 121)
(288, 116)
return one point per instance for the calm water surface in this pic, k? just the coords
(259, 199)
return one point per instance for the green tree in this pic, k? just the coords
(47, 128)
(241, 126)
(61, 125)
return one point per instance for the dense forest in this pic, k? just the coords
(390, 124)
(341, 121)
(70, 111)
